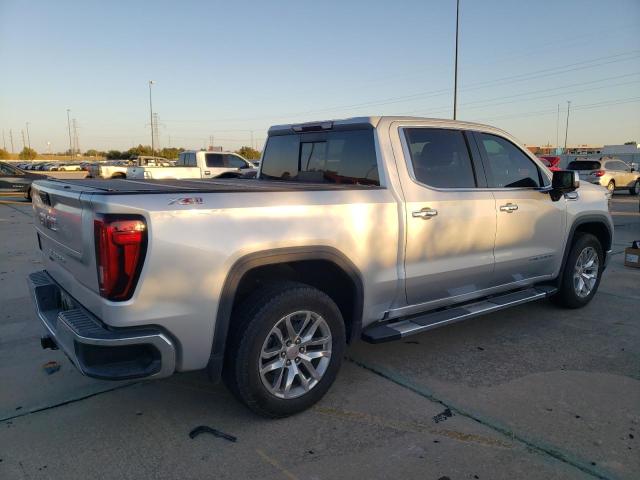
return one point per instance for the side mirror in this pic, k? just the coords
(565, 181)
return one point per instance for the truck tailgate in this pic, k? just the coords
(64, 225)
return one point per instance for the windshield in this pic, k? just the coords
(344, 157)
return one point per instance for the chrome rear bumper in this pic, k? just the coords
(97, 350)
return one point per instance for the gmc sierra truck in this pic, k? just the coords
(371, 228)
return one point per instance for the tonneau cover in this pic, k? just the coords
(123, 186)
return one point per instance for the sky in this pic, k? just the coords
(231, 69)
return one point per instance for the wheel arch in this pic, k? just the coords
(286, 263)
(597, 225)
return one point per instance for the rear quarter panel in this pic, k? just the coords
(192, 249)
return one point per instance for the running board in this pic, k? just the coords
(397, 329)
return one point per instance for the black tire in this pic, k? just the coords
(28, 194)
(567, 296)
(635, 188)
(611, 186)
(251, 323)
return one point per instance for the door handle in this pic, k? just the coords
(509, 207)
(425, 213)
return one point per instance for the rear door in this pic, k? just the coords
(12, 180)
(530, 225)
(451, 219)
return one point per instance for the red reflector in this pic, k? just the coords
(598, 173)
(120, 249)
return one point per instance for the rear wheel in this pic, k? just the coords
(611, 186)
(27, 194)
(582, 272)
(285, 349)
(635, 188)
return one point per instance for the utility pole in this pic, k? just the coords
(4, 141)
(251, 138)
(566, 132)
(455, 77)
(210, 142)
(69, 127)
(11, 138)
(24, 144)
(558, 130)
(76, 142)
(153, 145)
(28, 137)
(156, 139)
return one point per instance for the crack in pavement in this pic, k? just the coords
(67, 402)
(544, 450)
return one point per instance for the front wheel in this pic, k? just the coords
(582, 272)
(611, 186)
(285, 349)
(635, 188)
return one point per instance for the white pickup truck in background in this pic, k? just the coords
(119, 169)
(196, 164)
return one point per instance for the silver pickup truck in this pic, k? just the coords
(374, 228)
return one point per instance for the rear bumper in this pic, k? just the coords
(97, 350)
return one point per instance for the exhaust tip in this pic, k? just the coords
(48, 343)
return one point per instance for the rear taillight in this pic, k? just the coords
(121, 244)
(597, 173)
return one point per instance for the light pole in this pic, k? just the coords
(69, 127)
(566, 131)
(455, 75)
(153, 146)
(28, 137)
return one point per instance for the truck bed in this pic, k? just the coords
(128, 187)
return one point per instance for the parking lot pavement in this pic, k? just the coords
(531, 392)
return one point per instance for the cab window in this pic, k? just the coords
(440, 157)
(506, 165)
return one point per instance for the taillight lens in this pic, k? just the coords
(597, 173)
(121, 244)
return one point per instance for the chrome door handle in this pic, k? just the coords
(509, 207)
(425, 213)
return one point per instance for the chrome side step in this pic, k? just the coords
(395, 330)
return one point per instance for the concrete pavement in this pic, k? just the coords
(530, 392)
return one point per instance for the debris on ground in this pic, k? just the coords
(51, 367)
(216, 433)
(442, 416)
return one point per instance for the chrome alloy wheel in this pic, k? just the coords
(585, 273)
(295, 355)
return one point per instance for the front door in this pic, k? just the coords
(451, 222)
(530, 225)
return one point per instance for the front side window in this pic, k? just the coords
(235, 162)
(440, 157)
(345, 157)
(507, 165)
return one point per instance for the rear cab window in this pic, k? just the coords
(342, 157)
(583, 165)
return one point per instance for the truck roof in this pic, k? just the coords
(371, 122)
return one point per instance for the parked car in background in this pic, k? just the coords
(197, 164)
(551, 162)
(16, 180)
(374, 227)
(69, 167)
(609, 172)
